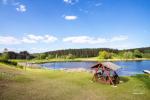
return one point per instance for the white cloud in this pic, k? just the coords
(70, 17)
(84, 40)
(71, 1)
(31, 38)
(93, 40)
(49, 39)
(37, 38)
(119, 38)
(21, 8)
(9, 40)
(18, 6)
(28, 40)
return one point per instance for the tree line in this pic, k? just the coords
(122, 55)
(13, 55)
(73, 53)
(105, 53)
(95, 52)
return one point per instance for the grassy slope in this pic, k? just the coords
(38, 84)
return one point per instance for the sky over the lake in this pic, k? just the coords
(44, 25)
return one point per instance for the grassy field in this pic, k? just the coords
(42, 84)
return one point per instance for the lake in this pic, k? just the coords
(128, 68)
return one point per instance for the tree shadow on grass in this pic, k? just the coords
(145, 78)
(124, 79)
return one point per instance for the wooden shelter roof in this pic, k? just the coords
(109, 65)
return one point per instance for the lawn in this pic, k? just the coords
(42, 84)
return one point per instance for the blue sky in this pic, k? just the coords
(44, 25)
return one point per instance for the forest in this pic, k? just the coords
(101, 53)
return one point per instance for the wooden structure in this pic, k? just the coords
(106, 73)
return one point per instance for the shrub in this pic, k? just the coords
(128, 55)
(104, 55)
(8, 62)
(137, 54)
(21, 67)
(69, 56)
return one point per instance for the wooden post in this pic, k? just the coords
(108, 75)
(25, 66)
(26, 62)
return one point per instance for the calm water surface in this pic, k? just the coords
(127, 67)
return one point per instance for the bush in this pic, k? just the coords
(8, 62)
(21, 67)
(128, 55)
(13, 63)
(50, 56)
(41, 56)
(137, 54)
(5, 56)
(3, 60)
(104, 55)
(69, 56)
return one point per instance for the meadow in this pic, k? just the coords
(42, 84)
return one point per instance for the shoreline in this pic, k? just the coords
(83, 59)
(72, 70)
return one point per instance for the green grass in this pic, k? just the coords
(41, 84)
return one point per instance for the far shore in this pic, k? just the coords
(77, 59)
